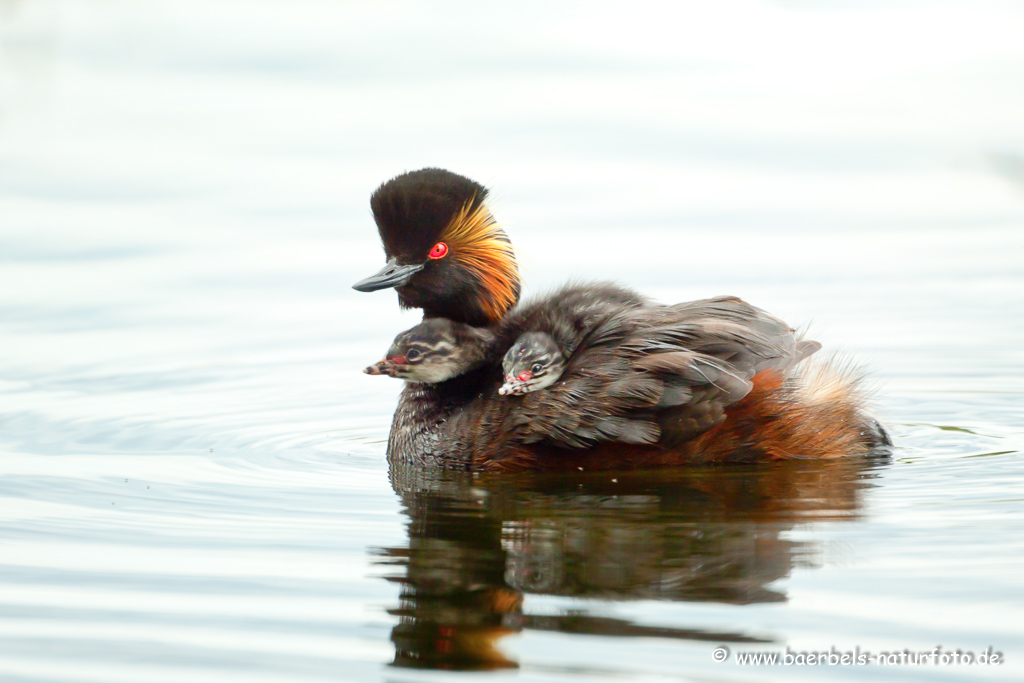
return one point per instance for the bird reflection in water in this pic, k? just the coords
(478, 543)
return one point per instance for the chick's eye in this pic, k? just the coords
(537, 367)
(438, 251)
(413, 354)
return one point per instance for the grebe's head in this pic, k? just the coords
(434, 351)
(533, 363)
(446, 253)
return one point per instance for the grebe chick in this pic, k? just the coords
(533, 363)
(435, 351)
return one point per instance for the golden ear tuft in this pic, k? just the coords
(479, 244)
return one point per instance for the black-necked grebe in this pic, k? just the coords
(643, 384)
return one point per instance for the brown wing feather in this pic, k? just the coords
(645, 373)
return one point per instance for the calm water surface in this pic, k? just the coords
(192, 468)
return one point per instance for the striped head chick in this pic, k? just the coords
(434, 351)
(533, 363)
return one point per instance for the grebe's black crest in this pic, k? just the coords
(446, 253)
(413, 209)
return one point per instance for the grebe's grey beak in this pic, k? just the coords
(391, 275)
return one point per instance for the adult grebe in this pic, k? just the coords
(705, 381)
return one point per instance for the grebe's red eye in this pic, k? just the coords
(439, 250)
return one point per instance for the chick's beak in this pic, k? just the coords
(378, 368)
(391, 275)
(389, 366)
(386, 367)
(512, 385)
